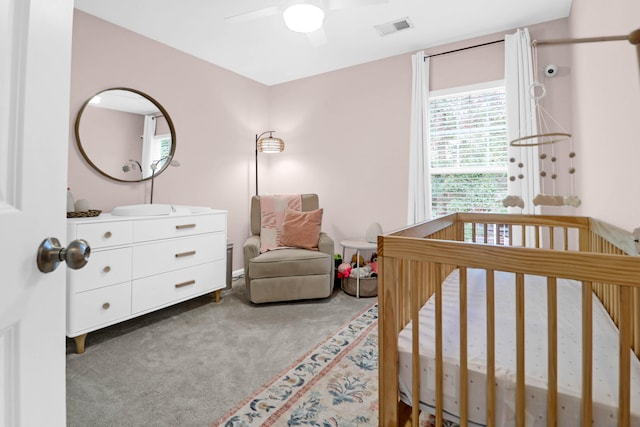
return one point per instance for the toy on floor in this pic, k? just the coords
(354, 260)
(360, 272)
(374, 265)
(344, 270)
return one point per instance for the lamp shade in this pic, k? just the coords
(303, 18)
(270, 144)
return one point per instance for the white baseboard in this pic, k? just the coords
(237, 273)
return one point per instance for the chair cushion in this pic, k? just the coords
(301, 229)
(289, 262)
(275, 289)
(309, 203)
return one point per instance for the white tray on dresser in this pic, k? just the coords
(139, 264)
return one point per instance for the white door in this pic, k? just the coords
(35, 61)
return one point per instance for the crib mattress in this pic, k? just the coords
(605, 354)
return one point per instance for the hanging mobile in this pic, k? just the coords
(545, 137)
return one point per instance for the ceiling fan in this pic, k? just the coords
(304, 16)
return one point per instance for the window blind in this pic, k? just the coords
(468, 143)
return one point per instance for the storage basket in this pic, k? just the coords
(368, 286)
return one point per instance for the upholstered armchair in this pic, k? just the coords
(287, 274)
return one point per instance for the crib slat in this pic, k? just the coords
(552, 357)
(614, 300)
(624, 405)
(491, 350)
(520, 391)
(464, 384)
(388, 336)
(587, 356)
(636, 321)
(612, 295)
(415, 280)
(439, 367)
(510, 228)
(402, 296)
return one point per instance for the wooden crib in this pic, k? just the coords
(415, 261)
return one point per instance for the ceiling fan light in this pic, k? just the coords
(303, 18)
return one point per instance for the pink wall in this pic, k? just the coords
(346, 132)
(162, 127)
(346, 138)
(215, 112)
(606, 110)
(109, 138)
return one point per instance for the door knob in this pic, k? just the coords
(50, 254)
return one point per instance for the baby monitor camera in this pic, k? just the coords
(551, 70)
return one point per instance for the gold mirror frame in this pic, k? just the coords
(93, 164)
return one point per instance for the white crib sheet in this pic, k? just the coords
(605, 354)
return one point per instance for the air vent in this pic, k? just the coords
(394, 26)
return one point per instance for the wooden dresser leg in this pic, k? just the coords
(80, 339)
(216, 295)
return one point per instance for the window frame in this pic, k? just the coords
(453, 91)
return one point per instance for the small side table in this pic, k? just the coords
(358, 245)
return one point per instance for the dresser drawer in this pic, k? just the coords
(164, 228)
(159, 257)
(164, 289)
(169, 258)
(99, 307)
(105, 234)
(105, 267)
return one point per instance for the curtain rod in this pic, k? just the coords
(633, 38)
(464, 48)
(579, 40)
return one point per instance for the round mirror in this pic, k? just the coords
(125, 135)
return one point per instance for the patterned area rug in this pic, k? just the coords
(334, 385)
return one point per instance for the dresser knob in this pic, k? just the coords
(106, 269)
(107, 235)
(106, 306)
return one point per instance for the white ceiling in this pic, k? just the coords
(124, 100)
(264, 50)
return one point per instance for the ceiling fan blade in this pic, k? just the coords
(254, 14)
(348, 4)
(317, 37)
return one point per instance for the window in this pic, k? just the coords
(164, 144)
(468, 149)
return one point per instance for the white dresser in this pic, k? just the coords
(141, 264)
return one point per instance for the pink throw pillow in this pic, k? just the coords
(301, 229)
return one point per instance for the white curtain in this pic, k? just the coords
(419, 208)
(521, 119)
(150, 149)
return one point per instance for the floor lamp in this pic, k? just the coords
(267, 145)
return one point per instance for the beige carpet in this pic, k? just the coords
(189, 364)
